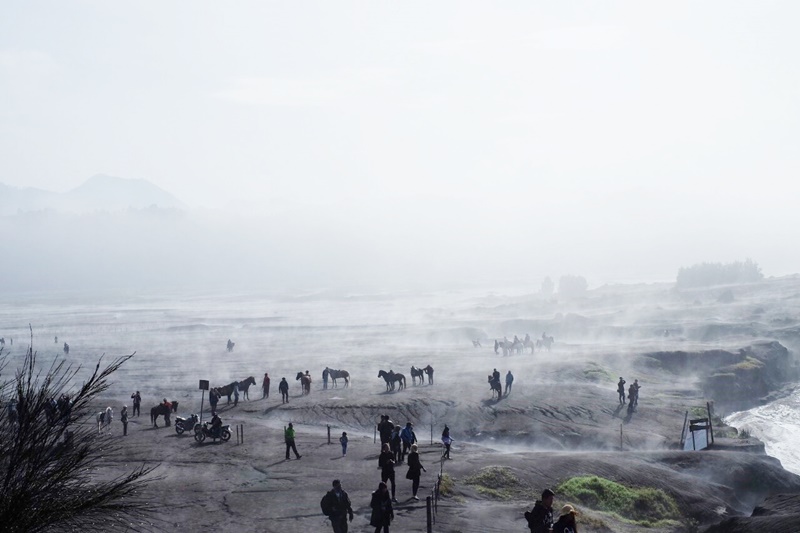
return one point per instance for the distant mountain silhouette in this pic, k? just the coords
(98, 193)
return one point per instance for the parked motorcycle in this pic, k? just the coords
(185, 424)
(205, 430)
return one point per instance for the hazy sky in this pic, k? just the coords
(590, 132)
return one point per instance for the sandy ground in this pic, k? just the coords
(561, 419)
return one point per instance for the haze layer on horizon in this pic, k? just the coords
(383, 143)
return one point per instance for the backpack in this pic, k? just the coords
(325, 505)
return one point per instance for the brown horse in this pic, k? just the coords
(337, 374)
(305, 382)
(244, 386)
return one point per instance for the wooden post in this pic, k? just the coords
(431, 433)
(329, 433)
(375, 435)
(683, 431)
(430, 514)
(242, 433)
(710, 426)
(620, 438)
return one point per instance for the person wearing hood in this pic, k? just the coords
(566, 522)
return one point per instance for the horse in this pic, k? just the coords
(160, 410)
(517, 346)
(391, 377)
(244, 386)
(104, 419)
(230, 345)
(476, 343)
(504, 344)
(227, 390)
(429, 370)
(305, 382)
(545, 342)
(496, 387)
(336, 374)
(417, 373)
(528, 343)
(66, 348)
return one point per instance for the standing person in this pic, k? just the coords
(213, 399)
(137, 403)
(343, 442)
(509, 381)
(385, 428)
(123, 417)
(382, 512)
(283, 387)
(408, 437)
(414, 467)
(325, 378)
(386, 464)
(636, 388)
(621, 390)
(496, 376)
(235, 393)
(566, 522)
(265, 386)
(540, 518)
(336, 506)
(288, 436)
(631, 397)
(446, 440)
(395, 443)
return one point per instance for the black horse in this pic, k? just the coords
(227, 390)
(496, 387)
(391, 377)
(160, 410)
(417, 373)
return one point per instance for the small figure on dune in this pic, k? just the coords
(621, 390)
(477, 343)
(540, 518)
(283, 388)
(230, 345)
(343, 442)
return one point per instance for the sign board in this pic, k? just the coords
(203, 384)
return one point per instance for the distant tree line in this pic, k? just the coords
(709, 274)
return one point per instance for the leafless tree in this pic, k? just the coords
(52, 471)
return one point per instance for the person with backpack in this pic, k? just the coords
(288, 436)
(336, 506)
(408, 437)
(540, 518)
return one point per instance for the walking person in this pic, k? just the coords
(213, 399)
(566, 522)
(621, 390)
(446, 440)
(408, 437)
(540, 518)
(395, 443)
(636, 388)
(414, 470)
(137, 403)
(288, 436)
(283, 387)
(509, 381)
(336, 506)
(123, 417)
(343, 442)
(386, 464)
(382, 512)
(265, 386)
